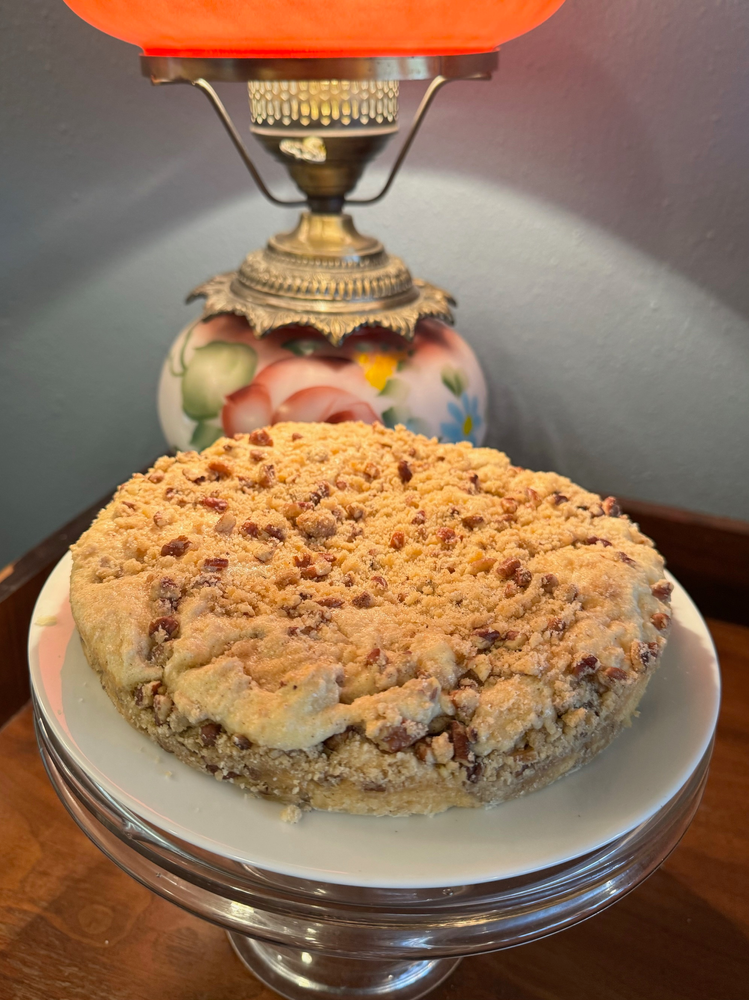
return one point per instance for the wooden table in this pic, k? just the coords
(72, 925)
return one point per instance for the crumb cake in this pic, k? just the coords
(352, 618)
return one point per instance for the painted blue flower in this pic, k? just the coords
(466, 422)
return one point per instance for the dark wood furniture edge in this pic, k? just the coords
(708, 555)
(20, 583)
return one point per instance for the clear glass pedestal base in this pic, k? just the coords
(306, 939)
(298, 974)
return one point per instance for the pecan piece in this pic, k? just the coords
(508, 568)
(209, 733)
(273, 532)
(661, 621)
(523, 578)
(474, 772)
(225, 524)
(398, 737)
(465, 701)
(222, 470)
(549, 583)
(558, 498)
(145, 693)
(556, 625)
(363, 600)
(331, 602)
(472, 521)
(509, 506)
(267, 476)
(423, 750)
(251, 529)
(321, 490)
(167, 625)
(315, 571)
(377, 656)
(475, 483)
(514, 640)
(419, 517)
(643, 654)
(371, 471)
(486, 637)
(461, 747)
(157, 476)
(405, 472)
(611, 507)
(380, 582)
(612, 675)
(397, 540)
(177, 547)
(587, 665)
(214, 503)
(162, 706)
(662, 590)
(595, 540)
(446, 536)
(262, 437)
(215, 564)
(168, 589)
(241, 742)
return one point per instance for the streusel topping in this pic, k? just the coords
(307, 579)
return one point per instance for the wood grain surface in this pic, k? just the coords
(73, 926)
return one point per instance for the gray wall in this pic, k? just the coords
(589, 208)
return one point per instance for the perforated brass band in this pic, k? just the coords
(324, 103)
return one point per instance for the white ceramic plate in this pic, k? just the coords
(625, 785)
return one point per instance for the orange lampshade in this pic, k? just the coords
(288, 28)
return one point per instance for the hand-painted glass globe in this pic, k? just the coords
(219, 378)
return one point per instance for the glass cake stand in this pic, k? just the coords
(305, 938)
(357, 906)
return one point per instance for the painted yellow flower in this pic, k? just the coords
(378, 367)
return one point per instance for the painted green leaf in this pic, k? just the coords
(455, 379)
(390, 417)
(397, 389)
(214, 372)
(205, 434)
(418, 426)
(303, 347)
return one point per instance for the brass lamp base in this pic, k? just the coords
(326, 275)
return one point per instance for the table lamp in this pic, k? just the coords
(323, 323)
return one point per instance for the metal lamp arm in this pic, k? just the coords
(228, 124)
(437, 83)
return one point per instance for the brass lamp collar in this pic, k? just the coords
(326, 275)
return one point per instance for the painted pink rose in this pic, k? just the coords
(328, 390)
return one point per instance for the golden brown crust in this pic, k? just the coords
(365, 620)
